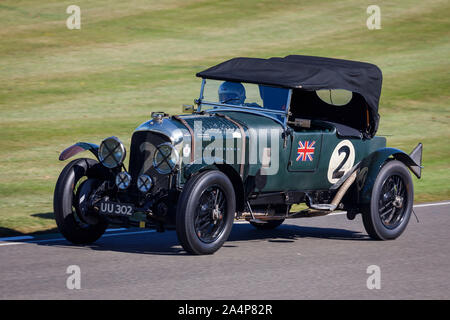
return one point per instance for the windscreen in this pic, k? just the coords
(227, 94)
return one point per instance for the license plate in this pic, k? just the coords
(113, 208)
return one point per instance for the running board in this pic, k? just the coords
(309, 213)
(324, 206)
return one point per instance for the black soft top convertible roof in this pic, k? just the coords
(306, 73)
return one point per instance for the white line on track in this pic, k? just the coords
(7, 239)
(431, 204)
(416, 206)
(103, 236)
(11, 243)
(63, 239)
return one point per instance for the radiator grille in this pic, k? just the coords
(143, 147)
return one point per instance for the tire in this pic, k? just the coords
(391, 202)
(205, 212)
(267, 225)
(67, 207)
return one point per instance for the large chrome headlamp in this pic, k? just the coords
(166, 158)
(111, 152)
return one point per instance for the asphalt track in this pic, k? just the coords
(310, 258)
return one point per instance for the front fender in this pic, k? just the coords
(77, 148)
(231, 171)
(371, 166)
(213, 163)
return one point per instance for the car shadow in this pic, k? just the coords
(44, 215)
(9, 232)
(291, 233)
(167, 243)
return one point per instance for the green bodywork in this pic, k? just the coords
(291, 175)
(219, 146)
(374, 162)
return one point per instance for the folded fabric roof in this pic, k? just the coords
(306, 73)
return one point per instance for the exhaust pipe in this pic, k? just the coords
(315, 210)
(324, 209)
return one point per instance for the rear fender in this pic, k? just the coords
(371, 166)
(77, 148)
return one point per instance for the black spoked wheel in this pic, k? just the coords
(391, 202)
(209, 218)
(393, 196)
(76, 222)
(205, 212)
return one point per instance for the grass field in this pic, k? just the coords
(59, 86)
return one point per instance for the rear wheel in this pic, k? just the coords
(75, 220)
(391, 202)
(205, 212)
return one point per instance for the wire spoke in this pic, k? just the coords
(391, 202)
(204, 225)
(208, 221)
(385, 207)
(386, 212)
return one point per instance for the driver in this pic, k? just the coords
(232, 93)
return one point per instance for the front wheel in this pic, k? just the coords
(75, 185)
(205, 212)
(391, 202)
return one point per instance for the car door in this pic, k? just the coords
(305, 150)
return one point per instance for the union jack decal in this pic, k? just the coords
(305, 151)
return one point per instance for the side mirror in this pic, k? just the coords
(186, 108)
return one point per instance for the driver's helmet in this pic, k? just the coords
(232, 93)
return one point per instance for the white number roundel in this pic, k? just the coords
(341, 161)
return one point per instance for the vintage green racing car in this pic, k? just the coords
(263, 135)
